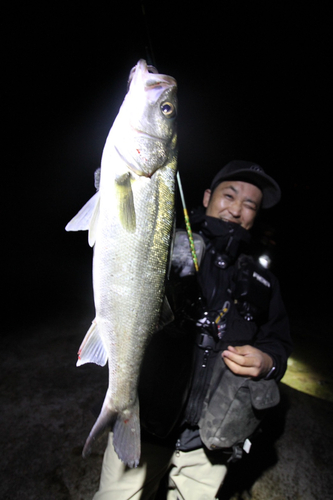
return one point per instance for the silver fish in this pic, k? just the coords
(130, 220)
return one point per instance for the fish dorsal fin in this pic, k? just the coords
(167, 315)
(87, 218)
(92, 349)
(94, 222)
(125, 202)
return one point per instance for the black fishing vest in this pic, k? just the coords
(224, 305)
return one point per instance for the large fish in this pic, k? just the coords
(130, 220)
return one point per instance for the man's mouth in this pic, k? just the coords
(230, 220)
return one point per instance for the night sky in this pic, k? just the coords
(253, 85)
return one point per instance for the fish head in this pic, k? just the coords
(148, 120)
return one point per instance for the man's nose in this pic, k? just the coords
(235, 209)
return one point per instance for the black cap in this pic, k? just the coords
(247, 171)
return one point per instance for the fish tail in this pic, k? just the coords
(126, 436)
(105, 420)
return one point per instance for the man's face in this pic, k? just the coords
(233, 201)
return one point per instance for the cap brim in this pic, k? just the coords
(270, 189)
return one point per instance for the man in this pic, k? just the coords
(230, 329)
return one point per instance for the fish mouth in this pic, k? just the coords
(153, 79)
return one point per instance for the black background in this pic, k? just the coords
(253, 85)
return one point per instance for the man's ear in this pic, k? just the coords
(206, 197)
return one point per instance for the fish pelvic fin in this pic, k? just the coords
(87, 219)
(92, 349)
(126, 436)
(125, 202)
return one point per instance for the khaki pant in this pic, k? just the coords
(193, 475)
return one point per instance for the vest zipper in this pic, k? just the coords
(199, 391)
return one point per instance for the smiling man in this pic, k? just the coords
(233, 201)
(222, 354)
(239, 201)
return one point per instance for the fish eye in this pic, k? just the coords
(168, 109)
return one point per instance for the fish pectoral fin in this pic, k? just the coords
(86, 219)
(92, 349)
(125, 202)
(126, 436)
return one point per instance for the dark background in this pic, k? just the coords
(253, 85)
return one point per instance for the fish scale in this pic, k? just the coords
(130, 222)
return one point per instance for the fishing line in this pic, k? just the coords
(151, 60)
(188, 224)
(149, 50)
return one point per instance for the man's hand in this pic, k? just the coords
(247, 361)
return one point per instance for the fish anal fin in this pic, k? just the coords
(126, 436)
(125, 202)
(92, 349)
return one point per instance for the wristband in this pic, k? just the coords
(271, 371)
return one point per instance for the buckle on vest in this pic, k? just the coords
(237, 453)
(205, 341)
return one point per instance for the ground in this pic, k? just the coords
(46, 416)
